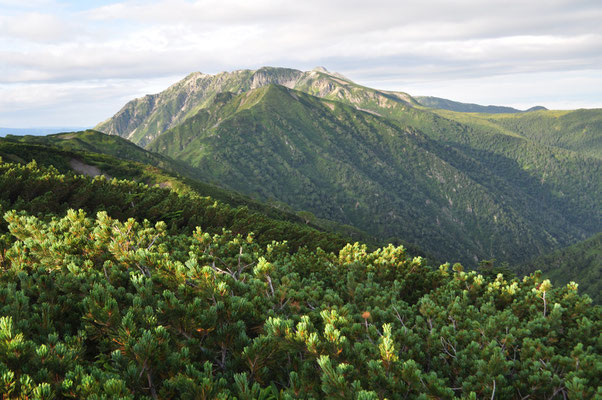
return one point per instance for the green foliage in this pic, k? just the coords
(103, 308)
(44, 191)
(92, 152)
(580, 263)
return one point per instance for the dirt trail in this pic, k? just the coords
(86, 169)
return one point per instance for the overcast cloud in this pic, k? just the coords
(78, 62)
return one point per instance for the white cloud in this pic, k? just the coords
(34, 26)
(25, 4)
(416, 41)
(83, 103)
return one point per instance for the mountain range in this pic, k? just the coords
(462, 186)
(444, 104)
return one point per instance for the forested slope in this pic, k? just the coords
(463, 186)
(45, 191)
(94, 153)
(459, 194)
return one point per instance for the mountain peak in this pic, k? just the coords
(141, 120)
(323, 70)
(536, 108)
(269, 75)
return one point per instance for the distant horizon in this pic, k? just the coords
(39, 130)
(46, 127)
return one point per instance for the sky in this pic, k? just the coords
(76, 63)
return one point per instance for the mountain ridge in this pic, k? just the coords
(142, 119)
(451, 105)
(280, 127)
(299, 144)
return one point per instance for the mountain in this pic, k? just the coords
(465, 187)
(444, 104)
(581, 263)
(143, 119)
(139, 283)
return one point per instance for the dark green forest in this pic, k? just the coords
(117, 304)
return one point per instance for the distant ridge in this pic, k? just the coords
(445, 104)
(536, 108)
(39, 131)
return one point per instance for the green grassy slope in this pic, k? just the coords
(26, 149)
(97, 142)
(445, 104)
(385, 175)
(579, 130)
